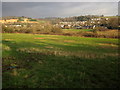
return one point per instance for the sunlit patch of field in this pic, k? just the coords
(52, 61)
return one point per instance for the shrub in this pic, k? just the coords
(34, 28)
(109, 34)
(56, 30)
(90, 34)
(100, 29)
(7, 29)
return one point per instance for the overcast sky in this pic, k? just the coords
(60, 0)
(58, 9)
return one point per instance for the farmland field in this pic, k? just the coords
(75, 30)
(56, 61)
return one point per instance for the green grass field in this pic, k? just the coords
(75, 30)
(54, 61)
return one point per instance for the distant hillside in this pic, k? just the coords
(14, 17)
(76, 18)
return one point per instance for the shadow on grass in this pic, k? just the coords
(38, 70)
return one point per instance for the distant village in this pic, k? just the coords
(80, 24)
(91, 24)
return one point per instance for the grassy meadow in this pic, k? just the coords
(75, 30)
(56, 61)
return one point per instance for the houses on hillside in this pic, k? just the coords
(82, 24)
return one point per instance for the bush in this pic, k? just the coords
(113, 23)
(7, 29)
(56, 30)
(90, 34)
(100, 29)
(109, 34)
(34, 28)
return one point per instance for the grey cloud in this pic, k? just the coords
(0, 9)
(61, 9)
(60, 0)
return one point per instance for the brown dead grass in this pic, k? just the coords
(39, 38)
(53, 38)
(80, 54)
(8, 39)
(69, 41)
(45, 38)
(49, 47)
(108, 44)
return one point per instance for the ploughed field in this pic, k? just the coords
(56, 61)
